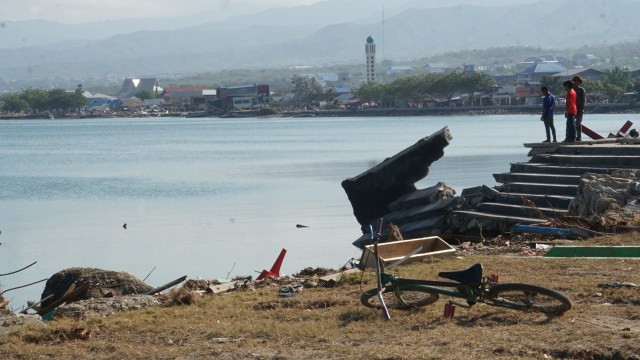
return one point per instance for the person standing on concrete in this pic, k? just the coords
(581, 101)
(548, 103)
(570, 111)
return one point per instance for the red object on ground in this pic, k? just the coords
(623, 130)
(590, 133)
(275, 269)
(449, 310)
(494, 278)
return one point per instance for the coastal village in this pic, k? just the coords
(513, 87)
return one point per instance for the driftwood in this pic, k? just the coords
(71, 293)
(166, 286)
(36, 304)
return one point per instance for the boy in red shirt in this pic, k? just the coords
(570, 111)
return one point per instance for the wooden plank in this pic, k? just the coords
(590, 133)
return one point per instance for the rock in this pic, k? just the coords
(102, 283)
(10, 320)
(105, 306)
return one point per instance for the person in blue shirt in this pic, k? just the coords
(548, 103)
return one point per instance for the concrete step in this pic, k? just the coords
(491, 224)
(541, 200)
(540, 188)
(540, 168)
(537, 178)
(594, 149)
(621, 161)
(520, 210)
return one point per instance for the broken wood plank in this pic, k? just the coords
(215, 289)
(166, 286)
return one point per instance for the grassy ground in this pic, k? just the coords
(332, 324)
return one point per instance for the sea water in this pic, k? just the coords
(217, 198)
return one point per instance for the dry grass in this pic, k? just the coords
(332, 324)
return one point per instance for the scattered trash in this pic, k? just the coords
(618, 285)
(543, 246)
(290, 290)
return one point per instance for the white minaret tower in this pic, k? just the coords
(370, 50)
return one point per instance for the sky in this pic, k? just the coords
(84, 11)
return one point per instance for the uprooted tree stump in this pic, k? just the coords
(102, 283)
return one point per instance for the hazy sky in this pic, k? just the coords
(80, 11)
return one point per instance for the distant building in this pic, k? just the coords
(529, 94)
(370, 51)
(399, 70)
(184, 97)
(536, 72)
(131, 86)
(241, 97)
(585, 74)
(436, 68)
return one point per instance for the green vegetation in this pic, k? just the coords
(309, 91)
(416, 88)
(39, 101)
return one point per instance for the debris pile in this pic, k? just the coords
(609, 199)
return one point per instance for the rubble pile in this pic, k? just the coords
(609, 199)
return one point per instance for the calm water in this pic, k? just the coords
(214, 198)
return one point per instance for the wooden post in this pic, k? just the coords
(166, 286)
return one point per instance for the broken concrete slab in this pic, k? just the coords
(371, 192)
(423, 196)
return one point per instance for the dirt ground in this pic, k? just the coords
(330, 323)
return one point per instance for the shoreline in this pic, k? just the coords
(430, 111)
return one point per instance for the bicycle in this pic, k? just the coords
(469, 284)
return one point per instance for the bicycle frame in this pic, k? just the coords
(471, 295)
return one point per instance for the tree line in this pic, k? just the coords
(416, 88)
(42, 101)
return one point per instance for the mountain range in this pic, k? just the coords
(328, 32)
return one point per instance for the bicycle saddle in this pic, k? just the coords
(471, 276)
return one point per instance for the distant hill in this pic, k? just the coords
(298, 35)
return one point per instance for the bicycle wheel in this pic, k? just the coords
(396, 298)
(370, 298)
(527, 297)
(415, 298)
